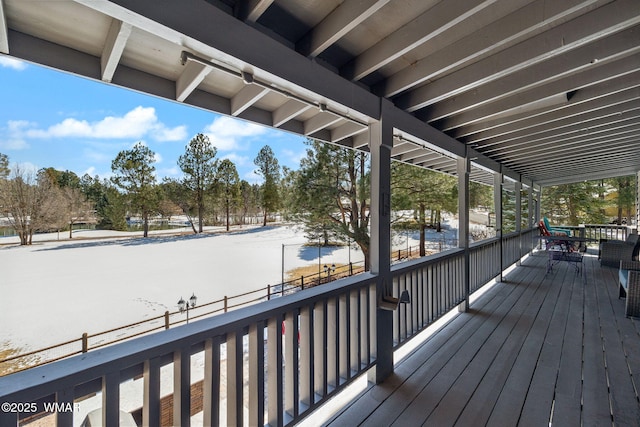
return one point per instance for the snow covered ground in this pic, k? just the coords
(55, 290)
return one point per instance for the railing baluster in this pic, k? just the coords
(65, 398)
(345, 337)
(151, 392)
(291, 364)
(307, 365)
(320, 346)
(181, 387)
(211, 386)
(274, 371)
(256, 374)
(331, 333)
(111, 399)
(234, 378)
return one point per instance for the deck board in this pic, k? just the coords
(537, 348)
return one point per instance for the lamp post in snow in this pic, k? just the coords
(186, 305)
(329, 270)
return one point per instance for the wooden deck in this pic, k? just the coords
(536, 350)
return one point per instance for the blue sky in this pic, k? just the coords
(54, 119)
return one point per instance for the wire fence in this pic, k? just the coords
(18, 362)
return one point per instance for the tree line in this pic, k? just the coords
(329, 195)
(210, 189)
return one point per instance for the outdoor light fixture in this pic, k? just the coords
(405, 298)
(185, 306)
(328, 270)
(388, 302)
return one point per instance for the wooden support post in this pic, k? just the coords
(380, 145)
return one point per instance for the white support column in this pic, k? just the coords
(463, 170)
(380, 144)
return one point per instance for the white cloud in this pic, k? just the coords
(14, 139)
(253, 177)
(174, 172)
(294, 156)
(237, 159)
(163, 134)
(137, 123)
(13, 144)
(226, 133)
(8, 62)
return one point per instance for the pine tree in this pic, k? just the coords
(135, 174)
(269, 169)
(199, 166)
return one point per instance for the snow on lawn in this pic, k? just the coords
(54, 291)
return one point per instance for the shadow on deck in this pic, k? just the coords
(538, 349)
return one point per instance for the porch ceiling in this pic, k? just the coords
(551, 90)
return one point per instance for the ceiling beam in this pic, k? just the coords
(114, 45)
(598, 72)
(584, 29)
(597, 163)
(557, 180)
(4, 31)
(190, 78)
(493, 36)
(247, 96)
(591, 98)
(320, 121)
(212, 32)
(538, 74)
(288, 111)
(336, 25)
(605, 117)
(568, 148)
(411, 35)
(347, 130)
(361, 140)
(252, 10)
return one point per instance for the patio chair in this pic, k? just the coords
(629, 279)
(614, 251)
(554, 238)
(555, 231)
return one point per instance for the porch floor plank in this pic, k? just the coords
(537, 349)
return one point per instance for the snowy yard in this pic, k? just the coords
(54, 291)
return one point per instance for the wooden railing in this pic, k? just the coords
(484, 262)
(270, 363)
(435, 286)
(600, 231)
